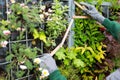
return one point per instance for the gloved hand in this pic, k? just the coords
(114, 76)
(91, 10)
(48, 63)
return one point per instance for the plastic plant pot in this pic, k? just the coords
(3, 54)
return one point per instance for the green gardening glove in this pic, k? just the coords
(92, 11)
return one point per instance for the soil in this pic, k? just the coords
(2, 74)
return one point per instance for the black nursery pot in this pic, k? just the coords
(3, 54)
(14, 35)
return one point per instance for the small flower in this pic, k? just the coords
(6, 32)
(22, 4)
(33, 2)
(45, 72)
(8, 12)
(7, 5)
(42, 77)
(40, 69)
(50, 10)
(4, 43)
(46, 14)
(12, 1)
(23, 67)
(20, 29)
(43, 7)
(49, 19)
(41, 16)
(26, 7)
(37, 60)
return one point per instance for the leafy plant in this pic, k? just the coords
(101, 77)
(88, 49)
(54, 23)
(21, 58)
(40, 23)
(57, 24)
(66, 71)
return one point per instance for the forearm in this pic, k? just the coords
(113, 27)
(56, 75)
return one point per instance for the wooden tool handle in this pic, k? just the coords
(80, 6)
(64, 38)
(81, 17)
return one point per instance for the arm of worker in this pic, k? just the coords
(49, 63)
(112, 26)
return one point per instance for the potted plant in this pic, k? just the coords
(24, 60)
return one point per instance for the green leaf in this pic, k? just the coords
(66, 62)
(78, 63)
(20, 59)
(29, 64)
(42, 36)
(60, 54)
(4, 22)
(71, 55)
(19, 74)
(29, 53)
(9, 57)
(8, 67)
(35, 34)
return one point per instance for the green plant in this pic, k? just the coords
(81, 58)
(22, 60)
(38, 22)
(101, 77)
(88, 49)
(55, 23)
(70, 72)
(116, 61)
(58, 23)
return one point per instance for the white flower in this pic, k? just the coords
(46, 13)
(22, 4)
(33, 2)
(8, 12)
(45, 72)
(41, 16)
(43, 7)
(50, 10)
(49, 19)
(6, 32)
(37, 60)
(4, 43)
(40, 69)
(23, 67)
(26, 7)
(41, 77)
(20, 29)
(12, 1)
